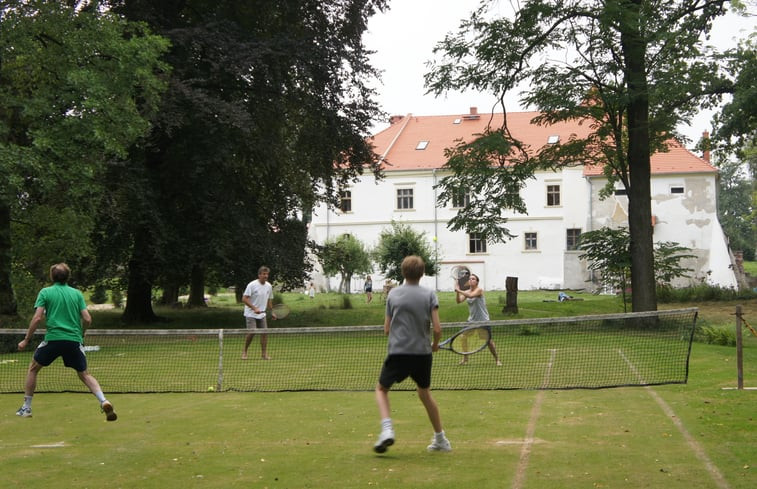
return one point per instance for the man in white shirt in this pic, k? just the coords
(258, 297)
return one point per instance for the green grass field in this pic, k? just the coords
(701, 434)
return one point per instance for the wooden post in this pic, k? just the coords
(739, 350)
(511, 298)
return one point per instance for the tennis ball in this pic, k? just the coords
(434, 238)
(211, 388)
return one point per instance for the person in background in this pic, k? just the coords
(257, 298)
(368, 287)
(65, 314)
(477, 310)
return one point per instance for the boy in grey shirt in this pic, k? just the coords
(409, 310)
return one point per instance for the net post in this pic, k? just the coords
(219, 383)
(739, 350)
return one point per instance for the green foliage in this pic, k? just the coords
(736, 124)
(78, 87)
(701, 293)
(736, 210)
(715, 335)
(99, 295)
(395, 244)
(607, 253)
(344, 255)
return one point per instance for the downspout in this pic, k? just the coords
(436, 234)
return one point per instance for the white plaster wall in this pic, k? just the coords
(689, 219)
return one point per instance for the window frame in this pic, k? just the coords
(477, 243)
(569, 238)
(528, 238)
(553, 195)
(345, 196)
(407, 198)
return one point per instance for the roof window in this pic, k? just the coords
(553, 139)
(422, 145)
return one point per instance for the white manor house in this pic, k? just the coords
(561, 205)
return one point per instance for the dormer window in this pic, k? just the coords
(422, 145)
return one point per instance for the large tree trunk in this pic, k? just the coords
(644, 295)
(197, 287)
(139, 292)
(8, 305)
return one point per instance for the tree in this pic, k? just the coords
(267, 114)
(347, 256)
(77, 86)
(398, 242)
(736, 123)
(608, 253)
(736, 210)
(630, 69)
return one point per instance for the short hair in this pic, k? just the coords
(413, 267)
(60, 273)
(263, 269)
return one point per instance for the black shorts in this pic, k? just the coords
(397, 368)
(71, 351)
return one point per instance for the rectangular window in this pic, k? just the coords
(621, 191)
(553, 195)
(530, 241)
(476, 243)
(676, 190)
(460, 198)
(345, 201)
(571, 238)
(404, 198)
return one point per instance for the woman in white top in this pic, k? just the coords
(477, 310)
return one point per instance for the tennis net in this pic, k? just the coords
(582, 352)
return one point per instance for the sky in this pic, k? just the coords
(404, 38)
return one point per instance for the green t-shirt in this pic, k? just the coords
(63, 306)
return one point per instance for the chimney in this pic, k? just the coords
(395, 119)
(706, 146)
(474, 111)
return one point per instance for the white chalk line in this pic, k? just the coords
(693, 444)
(528, 442)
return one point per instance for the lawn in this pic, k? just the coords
(700, 434)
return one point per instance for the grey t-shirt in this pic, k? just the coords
(409, 307)
(477, 309)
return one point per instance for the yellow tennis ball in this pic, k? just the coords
(434, 238)
(211, 388)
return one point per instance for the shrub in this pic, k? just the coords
(99, 295)
(702, 292)
(715, 335)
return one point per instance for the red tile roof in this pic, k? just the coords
(397, 143)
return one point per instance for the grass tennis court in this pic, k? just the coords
(610, 438)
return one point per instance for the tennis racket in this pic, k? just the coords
(280, 311)
(468, 341)
(461, 274)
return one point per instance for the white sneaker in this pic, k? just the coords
(386, 439)
(110, 413)
(24, 412)
(439, 446)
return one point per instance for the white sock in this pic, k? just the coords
(439, 436)
(100, 396)
(386, 424)
(28, 402)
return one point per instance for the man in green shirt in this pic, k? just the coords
(63, 309)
